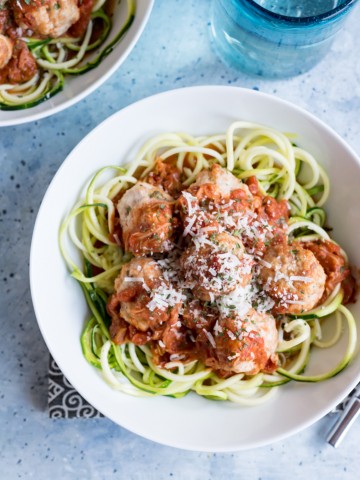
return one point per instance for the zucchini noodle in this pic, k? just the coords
(246, 149)
(64, 56)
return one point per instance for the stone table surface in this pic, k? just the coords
(174, 51)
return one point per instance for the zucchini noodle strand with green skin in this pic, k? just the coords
(63, 56)
(247, 150)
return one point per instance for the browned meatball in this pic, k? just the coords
(166, 176)
(78, 29)
(292, 277)
(6, 50)
(143, 298)
(4, 16)
(222, 178)
(336, 269)
(215, 265)
(47, 18)
(216, 196)
(132, 299)
(197, 315)
(21, 67)
(147, 221)
(242, 345)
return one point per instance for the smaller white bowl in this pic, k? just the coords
(78, 87)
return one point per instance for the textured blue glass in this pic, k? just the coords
(276, 38)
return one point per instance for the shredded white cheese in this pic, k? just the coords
(210, 338)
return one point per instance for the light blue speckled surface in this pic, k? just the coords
(174, 51)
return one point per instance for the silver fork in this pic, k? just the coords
(348, 410)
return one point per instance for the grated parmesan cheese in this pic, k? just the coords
(210, 338)
(300, 278)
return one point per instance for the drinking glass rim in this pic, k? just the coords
(302, 20)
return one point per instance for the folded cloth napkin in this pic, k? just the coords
(64, 401)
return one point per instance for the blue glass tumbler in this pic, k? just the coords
(276, 38)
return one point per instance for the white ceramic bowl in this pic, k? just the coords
(191, 422)
(78, 87)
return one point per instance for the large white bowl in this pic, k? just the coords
(78, 87)
(191, 422)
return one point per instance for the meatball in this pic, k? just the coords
(122, 332)
(220, 184)
(133, 295)
(292, 277)
(146, 218)
(197, 315)
(78, 29)
(333, 262)
(269, 222)
(21, 67)
(174, 341)
(47, 18)
(4, 16)
(242, 345)
(215, 265)
(217, 195)
(222, 178)
(6, 50)
(194, 219)
(166, 176)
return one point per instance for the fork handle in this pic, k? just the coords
(344, 422)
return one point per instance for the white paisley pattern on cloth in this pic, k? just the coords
(63, 400)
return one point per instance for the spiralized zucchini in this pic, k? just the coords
(61, 57)
(246, 149)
